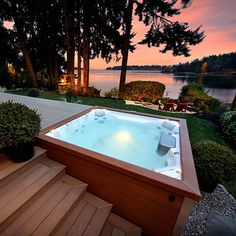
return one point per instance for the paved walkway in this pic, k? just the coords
(51, 111)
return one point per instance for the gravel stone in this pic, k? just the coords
(218, 202)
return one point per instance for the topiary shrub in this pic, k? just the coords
(18, 126)
(214, 164)
(136, 90)
(228, 126)
(33, 92)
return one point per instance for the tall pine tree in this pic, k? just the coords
(172, 35)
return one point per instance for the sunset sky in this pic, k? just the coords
(218, 20)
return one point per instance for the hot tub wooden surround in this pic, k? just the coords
(38, 198)
(157, 203)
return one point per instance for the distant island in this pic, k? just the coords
(136, 67)
(215, 63)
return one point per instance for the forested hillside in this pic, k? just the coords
(215, 63)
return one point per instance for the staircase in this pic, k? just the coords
(38, 198)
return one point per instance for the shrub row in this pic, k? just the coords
(228, 126)
(137, 90)
(214, 164)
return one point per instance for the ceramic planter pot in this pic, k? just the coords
(20, 153)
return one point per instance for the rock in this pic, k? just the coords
(219, 202)
(218, 225)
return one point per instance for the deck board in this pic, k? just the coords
(51, 111)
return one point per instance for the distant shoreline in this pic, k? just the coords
(224, 64)
(228, 73)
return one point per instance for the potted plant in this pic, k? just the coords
(18, 127)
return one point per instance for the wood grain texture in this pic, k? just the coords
(183, 216)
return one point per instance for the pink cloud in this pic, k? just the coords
(218, 21)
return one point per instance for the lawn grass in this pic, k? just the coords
(43, 94)
(199, 129)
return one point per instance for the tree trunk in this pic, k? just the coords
(125, 52)
(51, 76)
(22, 37)
(86, 57)
(79, 67)
(70, 49)
(233, 105)
(55, 67)
(53, 71)
(29, 66)
(86, 45)
(78, 55)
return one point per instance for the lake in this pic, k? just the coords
(220, 87)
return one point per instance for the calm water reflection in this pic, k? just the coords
(218, 87)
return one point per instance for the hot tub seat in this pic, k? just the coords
(166, 142)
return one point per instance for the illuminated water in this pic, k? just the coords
(129, 138)
(220, 87)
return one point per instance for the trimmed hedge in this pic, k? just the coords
(33, 92)
(18, 123)
(214, 164)
(137, 90)
(228, 126)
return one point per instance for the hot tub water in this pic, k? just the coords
(128, 137)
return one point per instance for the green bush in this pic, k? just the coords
(3, 89)
(33, 92)
(6, 79)
(96, 92)
(43, 80)
(189, 89)
(18, 124)
(228, 126)
(148, 99)
(216, 105)
(214, 164)
(137, 90)
(196, 94)
(23, 80)
(113, 93)
(71, 96)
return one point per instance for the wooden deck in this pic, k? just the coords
(38, 198)
(51, 111)
(137, 194)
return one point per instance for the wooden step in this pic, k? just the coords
(28, 213)
(18, 194)
(10, 170)
(32, 216)
(45, 220)
(87, 217)
(117, 226)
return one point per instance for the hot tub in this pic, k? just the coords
(141, 163)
